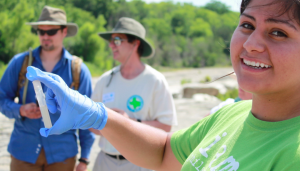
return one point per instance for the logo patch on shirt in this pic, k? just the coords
(135, 103)
(109, 97)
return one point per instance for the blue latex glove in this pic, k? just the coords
(77, 111)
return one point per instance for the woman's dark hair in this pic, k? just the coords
(292, 7)
(132, 38)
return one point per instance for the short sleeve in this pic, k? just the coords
(183, 142)
(163, 103)
(97, 93)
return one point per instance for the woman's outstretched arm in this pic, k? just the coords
(141, 144)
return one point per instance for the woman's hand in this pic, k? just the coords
(77, 111)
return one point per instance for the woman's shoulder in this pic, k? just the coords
(237, 107)
(233, 111)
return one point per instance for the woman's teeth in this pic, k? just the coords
(256, 64)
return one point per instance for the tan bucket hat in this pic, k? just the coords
(132, 27)
(55, 16)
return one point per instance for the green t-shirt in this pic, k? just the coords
(233, 139)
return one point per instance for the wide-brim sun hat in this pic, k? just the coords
(131, 27)
(55, 16)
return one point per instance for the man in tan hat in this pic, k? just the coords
(133, 89)
(30, 151)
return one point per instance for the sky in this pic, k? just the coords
(234, 4)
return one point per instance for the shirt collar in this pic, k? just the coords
(65, 55)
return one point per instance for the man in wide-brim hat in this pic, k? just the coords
(55, 17)
(133, 89)
(29, 151)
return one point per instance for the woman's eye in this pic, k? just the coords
(248, 26)
(278, 34)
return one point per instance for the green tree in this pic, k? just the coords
(182, 19)
(87, 42)
(217, 6)
(8, 4)
(183, 35)
(13, 29)
(5, 53)
(158, 27)
(96, 7)
(200, 28)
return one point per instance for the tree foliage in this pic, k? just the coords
(183, 35)
(217, 6)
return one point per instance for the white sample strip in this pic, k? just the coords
(42, 103)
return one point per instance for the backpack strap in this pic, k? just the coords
(76, 69)
(23, 81)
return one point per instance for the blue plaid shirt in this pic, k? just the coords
(26, 142)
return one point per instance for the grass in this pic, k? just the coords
(206, 79)
(229, 94)
(185, 81)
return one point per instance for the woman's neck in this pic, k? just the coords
(276, 107)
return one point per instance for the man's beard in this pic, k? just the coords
(48, 48)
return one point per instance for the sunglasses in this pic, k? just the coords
(116, 40)
(48, 32)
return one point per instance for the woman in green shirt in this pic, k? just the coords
(263, 134)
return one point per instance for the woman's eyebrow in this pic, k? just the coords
(286, 22)
(248, 16)
(273, 20)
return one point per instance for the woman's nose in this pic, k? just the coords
(255, 42)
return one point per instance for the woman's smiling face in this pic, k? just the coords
(265, 49)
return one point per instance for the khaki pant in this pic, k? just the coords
(107, 163)
(41, 164)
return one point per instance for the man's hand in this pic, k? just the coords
(31, 111)
(81, 167)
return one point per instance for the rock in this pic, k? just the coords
(175, 91)
(205, 98)
(190, 111)
(188, 92)
(212, 89)
(230, 84)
